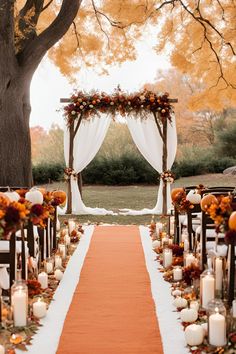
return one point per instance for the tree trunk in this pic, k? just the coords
(15, 144)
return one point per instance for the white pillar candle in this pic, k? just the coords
(177, 273)
(43, 280)
(159, 227)
(156, 244)
(172, 226)
(20, 308)
(217, 330)
(208, 289)
(48, 267)
(189, 259)
(167, 257)
(67, 240)
(194, 305)
(194, 335)
(184, 236)
(39, 309)
(186, 245)
(71, 225)
(62, 250)
(234, 308)
(170, 241)
(58, 274)
(2, 349)
(58, 261)
(219, 273)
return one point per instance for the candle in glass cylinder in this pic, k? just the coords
(186, 245)
(39, 309)
(159, 228)
(43, 280)
(20, 307)
(67, 240)
(219, 273)
(177, 273)
(207, 287)
(167, 257)
(58, 261)
(234, 308)
(189, 259)
(48, 267)
(217, 329)
(71, 225)
(62, 250)
(2, 349)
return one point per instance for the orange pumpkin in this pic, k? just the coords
(176, 191)
(232, 221)
(207, 200)
(60, 195)
(4, 198)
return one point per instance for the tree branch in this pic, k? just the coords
(47, 5)
(36, 49)
(27, 21)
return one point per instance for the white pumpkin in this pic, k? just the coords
(180, 302)
(34, 196)
(193, 197)
(205, 328)
(188, 315)
(194, 305)
(58, 274)
(194, 335)
(13, 196)
(176, 292)
(156, 244)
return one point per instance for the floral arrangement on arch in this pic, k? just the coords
(119, 102)
(167, 176)
(68, 172)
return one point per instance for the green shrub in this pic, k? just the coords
(119, 170)
(47, 173)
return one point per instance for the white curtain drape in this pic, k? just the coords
(149, 142)
(87, 142)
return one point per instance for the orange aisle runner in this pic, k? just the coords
(112, 311)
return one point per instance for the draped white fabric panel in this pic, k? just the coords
(87, 142)
(149, 142)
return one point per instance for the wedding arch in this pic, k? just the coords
(151, 121)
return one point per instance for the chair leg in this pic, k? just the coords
(12, 258)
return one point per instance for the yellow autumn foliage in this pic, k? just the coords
(198, 37)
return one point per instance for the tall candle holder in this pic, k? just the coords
(19, 301)
(219, 269)
(217, 335)
(167, 257)
(207, 287)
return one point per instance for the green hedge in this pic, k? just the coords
(47, 173)
(120, 170)
(131, 169)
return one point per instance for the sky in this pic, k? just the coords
(49, 85)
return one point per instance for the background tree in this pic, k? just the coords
(198, 35)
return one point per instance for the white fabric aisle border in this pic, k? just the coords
(172, 333)
(47, 338)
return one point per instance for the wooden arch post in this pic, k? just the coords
(73, 129)
(163, 129)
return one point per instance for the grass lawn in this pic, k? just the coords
(135, 197)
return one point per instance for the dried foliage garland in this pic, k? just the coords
(138, 104)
